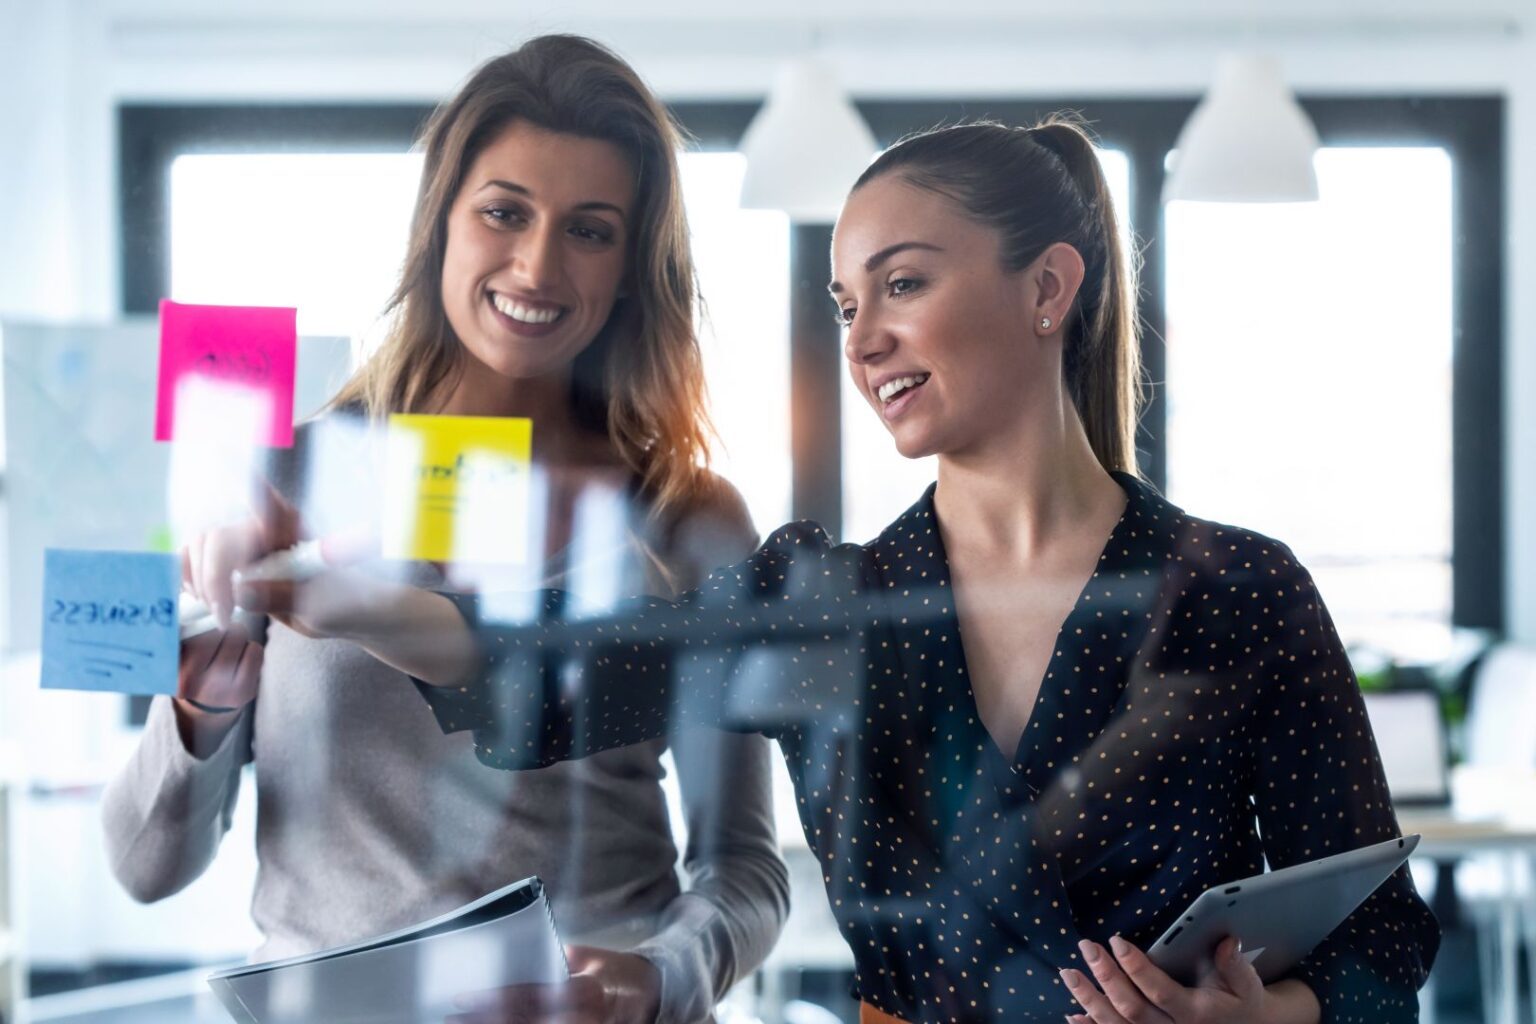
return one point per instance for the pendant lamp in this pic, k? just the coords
(1248, 141)
(806, 146)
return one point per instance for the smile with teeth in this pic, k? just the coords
(526, 314)
(891, 388)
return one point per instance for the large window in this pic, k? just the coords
(326, 232)
(321, 231)
(1337, 385)
(743, 264)
(1309, 384)
(1366, 329)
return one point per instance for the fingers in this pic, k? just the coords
(1099, 1008)
(360, 543)
(335, 603)
(1123, 994)
(583, 995)
(196, 654)
(267, 597)
(224, 551)
(580, 959)
(209, 563)
(222, 669)
(212, 559)
(279, 519)
(192, 567)
(1159, 989)
(1239, 975)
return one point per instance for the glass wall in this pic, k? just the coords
(1304, 365)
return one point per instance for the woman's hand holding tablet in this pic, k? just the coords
(1133, 990)
(1198, 972)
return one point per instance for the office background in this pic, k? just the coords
(99, 99)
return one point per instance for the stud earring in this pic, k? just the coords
(1045, 323)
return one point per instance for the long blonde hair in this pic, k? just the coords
(641, 380)
(1036, 187)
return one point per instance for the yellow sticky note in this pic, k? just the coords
(459, 488)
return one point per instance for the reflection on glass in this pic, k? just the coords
(215, 454)
(600, 542)
(1309, 384)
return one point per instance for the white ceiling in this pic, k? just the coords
(830, 11)
(688, 24)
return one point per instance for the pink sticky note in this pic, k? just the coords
(250, 351)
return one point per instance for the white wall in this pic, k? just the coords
(65, 64)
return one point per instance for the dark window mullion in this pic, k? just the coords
(815, 383)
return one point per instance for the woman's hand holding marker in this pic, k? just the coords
(297, 564)
(310, 589)
(231, 575)
(266, 566)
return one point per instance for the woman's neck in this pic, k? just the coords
(1016, 496)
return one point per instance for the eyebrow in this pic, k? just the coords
(884, 254)
(521, 190)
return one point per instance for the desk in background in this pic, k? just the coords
(1492, 818)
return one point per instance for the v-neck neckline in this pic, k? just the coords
(968, 798)
(1023, 750)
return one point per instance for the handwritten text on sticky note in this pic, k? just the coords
(458, 488)
(246, 352)
(109, 621)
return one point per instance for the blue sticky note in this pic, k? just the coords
(109, 621)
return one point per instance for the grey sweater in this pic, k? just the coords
(369, 818)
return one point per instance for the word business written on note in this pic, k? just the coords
(109, 621)
(227, 368)
(458, 489)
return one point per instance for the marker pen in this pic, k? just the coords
(301, 562)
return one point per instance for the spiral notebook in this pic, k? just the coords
(411, 976)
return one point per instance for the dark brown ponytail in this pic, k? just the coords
(1036, 187)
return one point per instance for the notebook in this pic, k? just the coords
(410, 976)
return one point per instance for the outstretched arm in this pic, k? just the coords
(760, 647)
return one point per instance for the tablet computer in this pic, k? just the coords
(1280, 916)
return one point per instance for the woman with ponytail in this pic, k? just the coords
(1045, 708)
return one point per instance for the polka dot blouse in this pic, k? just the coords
(1197, 718)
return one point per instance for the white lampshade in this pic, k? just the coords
(805, 147)
(1248, 141)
